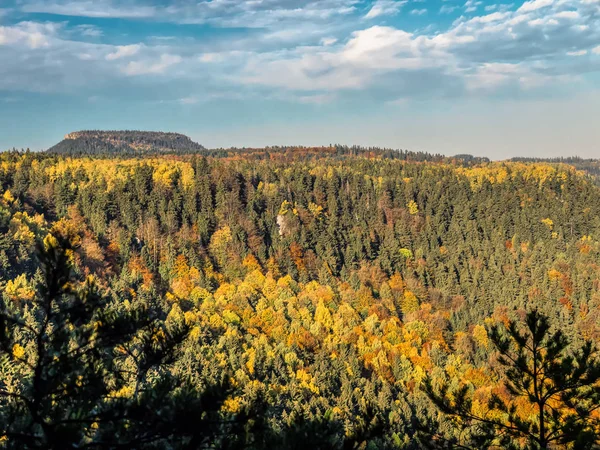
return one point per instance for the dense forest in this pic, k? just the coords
(337, 297)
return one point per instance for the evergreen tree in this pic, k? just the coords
(539, 368)
(81, 372)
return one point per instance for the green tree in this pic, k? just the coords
(82, 372)
(541, 367)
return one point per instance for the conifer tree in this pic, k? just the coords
(81, 372)
(542, 370)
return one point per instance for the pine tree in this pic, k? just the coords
(540, 368)
(82, 372)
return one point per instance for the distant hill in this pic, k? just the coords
(124, 143)
(149, 143)
(299, 152)
(341, 152)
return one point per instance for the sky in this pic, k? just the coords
(495, 78)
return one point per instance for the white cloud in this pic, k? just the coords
(91, 31)
(379, 47)
(578, 53)
(546, 21)
(312, 54)
(490, 76)
(316, 99)
(369, 53)
(124, 51)
(37, 59)
(533, 5)
(448, 9)
(226, 13)
(502, 50)
(596, 50)
(136, 68)
(402, 101)
(327, 41)
(471, 5)
(85, 56)
(419, 12)
(385, 8)
(188, 100)
(32, 34)
(489, 18)
(571, 15)
(210, 57)
(90, 8)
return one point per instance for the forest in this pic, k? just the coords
(293, 297)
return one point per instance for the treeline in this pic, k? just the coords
(589, 165)
(141, 143)
(330, 285)
(333, 151)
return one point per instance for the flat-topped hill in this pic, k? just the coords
(124, 142)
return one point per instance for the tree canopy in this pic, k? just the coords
(293, 295)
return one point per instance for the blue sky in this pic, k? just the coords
(493, 78)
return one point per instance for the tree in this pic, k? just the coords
(82, 372)
(541, 373)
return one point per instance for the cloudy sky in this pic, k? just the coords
(450, 76)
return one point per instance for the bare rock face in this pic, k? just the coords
(281, 223)
(72, 136)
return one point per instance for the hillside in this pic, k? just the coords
(324, 285)
(124, 143)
